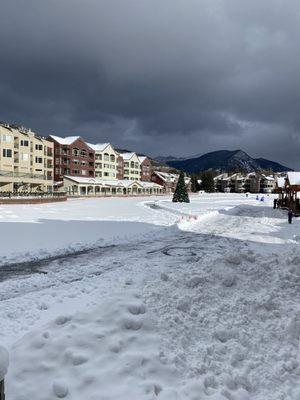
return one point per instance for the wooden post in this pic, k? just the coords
(2, 394)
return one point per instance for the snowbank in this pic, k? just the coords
(210, 311)
(110, 353)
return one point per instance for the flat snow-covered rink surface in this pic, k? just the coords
(144, 299)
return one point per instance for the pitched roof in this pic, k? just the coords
(98, 146)
(294, 178)
(281, 182)
(116, 183)
(66, 141)
(166, 177)
(127, 156)
(142, 158)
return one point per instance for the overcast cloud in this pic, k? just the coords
(167, 77)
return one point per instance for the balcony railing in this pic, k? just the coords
(44, 195)
(14, 174)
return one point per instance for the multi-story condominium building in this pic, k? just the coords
(106, 161)
(254, 182)
(132, 166)
(26, 160)
(146, 168)
(72, 157)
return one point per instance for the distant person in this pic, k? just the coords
(290, 216)
(275, 204)
(262, 198)
(246, 194)
(257, 198)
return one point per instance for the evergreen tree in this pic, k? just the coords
(181, 194)
(195, 187)
(208, 183)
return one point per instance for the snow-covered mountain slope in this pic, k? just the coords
(225, 160)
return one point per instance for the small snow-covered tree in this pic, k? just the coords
(181, 194)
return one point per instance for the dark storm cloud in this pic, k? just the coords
(166, 77)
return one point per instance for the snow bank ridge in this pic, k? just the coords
(111, 353)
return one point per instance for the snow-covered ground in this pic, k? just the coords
(144, 299)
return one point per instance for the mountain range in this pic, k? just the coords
(223, 160)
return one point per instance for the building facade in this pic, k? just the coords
(146, 169)
(106, 161)
(73, 157)
(254, 182)
(132, 166)
(26, 160)
(96, 187)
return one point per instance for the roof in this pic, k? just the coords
(142, 158)
(66, 141)
(107, 183)
(268, 178)
(127, 156)
(98, 146)
(281, 182)
(294, 178)
(166, 177)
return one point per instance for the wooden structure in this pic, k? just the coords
(287, 189)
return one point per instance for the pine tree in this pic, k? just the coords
(208, 181)
(194, 184)
(181, 194)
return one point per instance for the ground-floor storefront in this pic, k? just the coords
(92, 187)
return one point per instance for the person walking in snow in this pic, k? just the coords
(290, 216)
(275, 204)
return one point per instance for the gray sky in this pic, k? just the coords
(164, 77)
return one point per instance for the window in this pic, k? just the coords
(83, 153)
(84, 172)
(132, 164)
(39, 147)
(24, 143)
(39, 160)
(106, 174)
(106, 157)
(7, 138)
(75, 152)
(24, 157)
(7, 153)
(112, 158)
